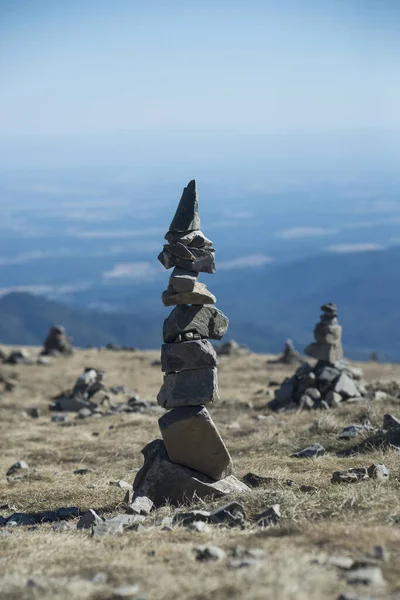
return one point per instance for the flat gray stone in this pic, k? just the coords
(351, 431)
(333, 398)
(182, 280)
(192, 440)
(197, 354)
(187, 214)
(165, 482)
(107, 528)
(188, 388)
(141, 505)
(207, 321)
(202, 259)
(312, 451)
(199, 295)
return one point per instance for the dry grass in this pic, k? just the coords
(345, 520)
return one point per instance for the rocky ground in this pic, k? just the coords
(325, 544)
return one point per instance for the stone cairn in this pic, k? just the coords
(192, 460)
(331, 381)
(289, 356)
(57, 342)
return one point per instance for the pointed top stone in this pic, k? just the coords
(187, 214)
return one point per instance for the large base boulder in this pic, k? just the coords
(166, 482)
(192, 440)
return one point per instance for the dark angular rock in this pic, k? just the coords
(350, 475)
(187, 214)
(207, 321)
(186, 518)
(269, 516)
(204, 553)
(203, 259)
(390, 422)
(188, 388)
(88, 519)
(163, 481)
(232, 514)
(187, 355)
(3, 520)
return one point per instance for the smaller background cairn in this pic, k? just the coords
(57, 342)
(331, 381)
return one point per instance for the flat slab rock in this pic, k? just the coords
(199, 295)
(312, 451)
(196, 354)
(166, 482)
(207, 321)
(188, 388)
(192, 440)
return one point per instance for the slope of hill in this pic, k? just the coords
(265, 305)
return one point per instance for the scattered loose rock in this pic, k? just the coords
(232, 514)
(312, 451)
(350, 475)
(88, 519)
(205, 553)
(269, 516)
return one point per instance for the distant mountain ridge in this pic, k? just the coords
(264, 305)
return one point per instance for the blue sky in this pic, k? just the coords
(95, 67)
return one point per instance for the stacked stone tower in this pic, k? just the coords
(192, 459)
(328, 335)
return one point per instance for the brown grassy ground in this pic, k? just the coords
(346, 520)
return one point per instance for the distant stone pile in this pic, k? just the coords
(192, 460)
(232, 348)
(289, 356)
(57, 342)
(331, 381)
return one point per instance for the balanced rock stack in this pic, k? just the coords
(331, 381)
(192, 455)
(328, 335)
(57, 342)
(289, 356)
